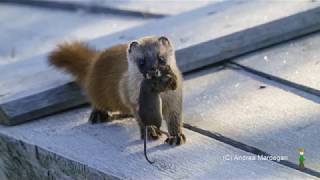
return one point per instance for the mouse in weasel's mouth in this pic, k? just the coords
(150, 103)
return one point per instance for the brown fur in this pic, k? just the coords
(64, 56)
(92, 68)
(103, 80)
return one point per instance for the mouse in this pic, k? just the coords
(150, 102)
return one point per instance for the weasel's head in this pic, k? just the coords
(149, 54)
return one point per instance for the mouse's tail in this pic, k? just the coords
(145, 144)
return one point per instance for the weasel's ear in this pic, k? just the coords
(164, 41)
(132, 46)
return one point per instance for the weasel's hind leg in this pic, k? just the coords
(98, 116)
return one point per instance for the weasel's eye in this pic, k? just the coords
(162, 60)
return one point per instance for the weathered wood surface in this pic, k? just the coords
(21, 38)
(259, 113)
(248, 40)
(65, 146)
(217, 32)
(157, 7)
(297, 61)
(151, 7)
(73, 6)
(42, 104)
(20, 160)
(208, 42)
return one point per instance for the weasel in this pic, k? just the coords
(112, 78)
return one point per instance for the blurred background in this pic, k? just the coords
(29, 28)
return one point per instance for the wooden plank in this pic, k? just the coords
(42, 104)
(254, 114)
(150, 7)
(207, 46)
(248, 40)
(66, 145)
(23, 40)
(295, 61)
(73, 6)
(20, 160)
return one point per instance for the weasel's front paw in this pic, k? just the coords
(153, 133)
(97, 116)
(176, 140)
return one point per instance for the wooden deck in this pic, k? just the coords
(254, 105)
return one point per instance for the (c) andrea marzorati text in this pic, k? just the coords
(278, 158)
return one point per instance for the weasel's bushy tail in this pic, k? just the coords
(74, 57)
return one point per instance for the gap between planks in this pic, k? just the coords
(74, 7)
(247, 148)
(289, 86)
